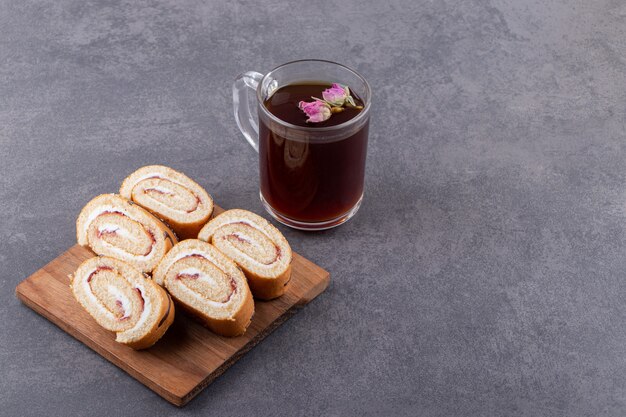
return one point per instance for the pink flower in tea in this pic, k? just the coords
(317, 111)
(336, 95)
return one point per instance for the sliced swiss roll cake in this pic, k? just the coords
(172, 196)
(256, 246)
(121, 299)
(113, 226)
(207, 284)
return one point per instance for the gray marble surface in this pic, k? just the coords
(485, 274)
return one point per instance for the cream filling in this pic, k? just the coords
(96, 302)
(201, 205)
(162, 189)
(123, 299)
(201, 275)
(125, 255)
(182, 255)
(147, 309)
(102, 209)
(244, 236)
(200, 209)
(204, 277)
(110, 227)
(122, 254)
(151, 175)
(93, 300)
(159, 176)
(179, 257)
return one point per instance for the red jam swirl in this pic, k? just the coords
(114, 232)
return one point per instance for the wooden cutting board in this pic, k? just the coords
(189, 357)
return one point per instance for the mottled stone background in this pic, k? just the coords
(485, 274)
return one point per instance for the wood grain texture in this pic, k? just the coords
(189, 357)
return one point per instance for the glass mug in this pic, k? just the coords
(311, 178)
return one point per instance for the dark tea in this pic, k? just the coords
(310, 180)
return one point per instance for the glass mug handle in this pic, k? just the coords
(241, 105)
